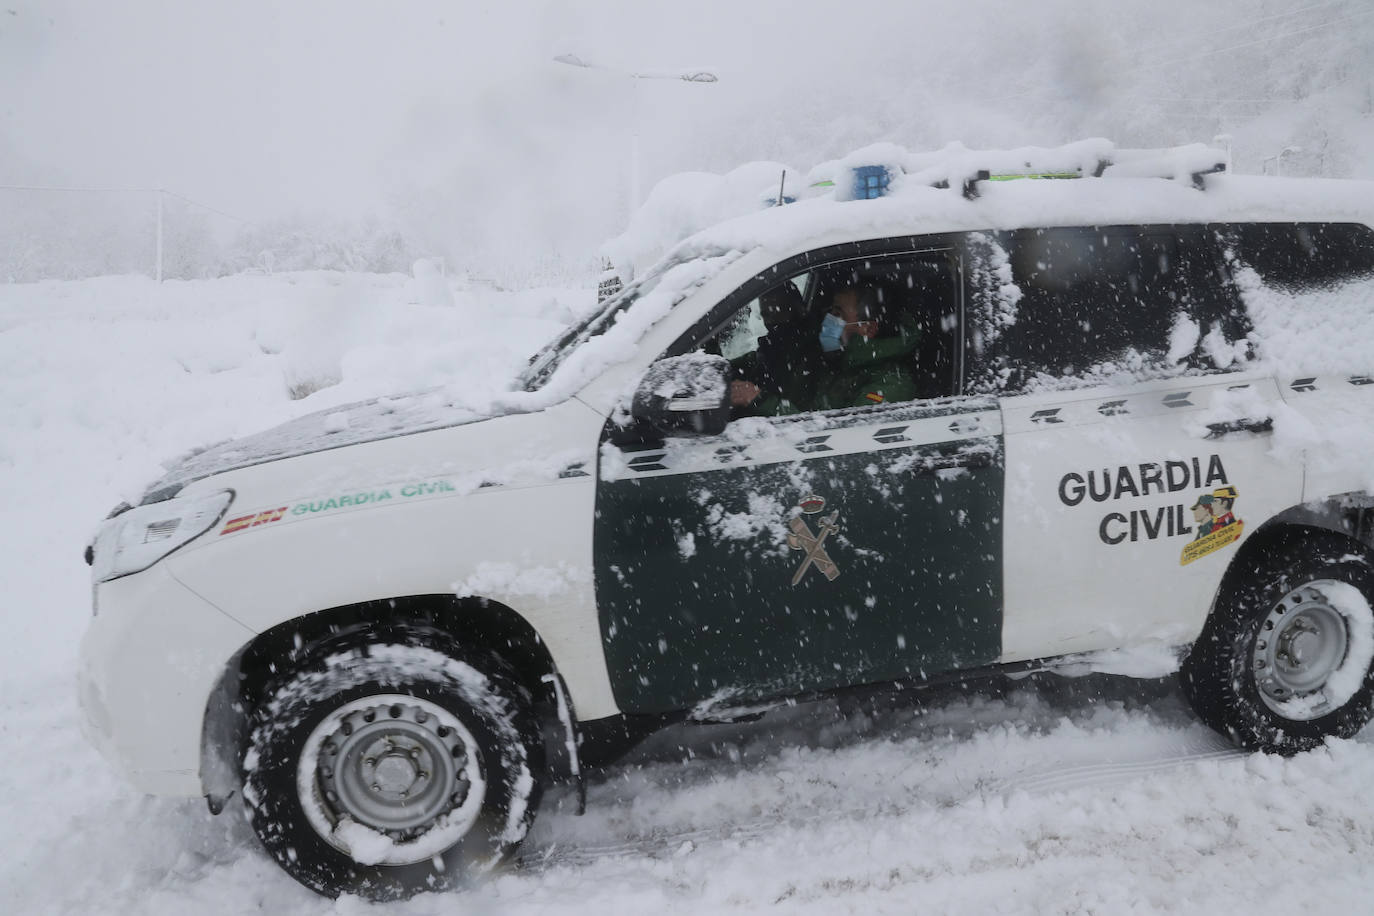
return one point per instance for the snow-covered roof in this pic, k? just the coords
(929, 192)
(919, 209)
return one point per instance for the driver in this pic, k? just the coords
(868, 352)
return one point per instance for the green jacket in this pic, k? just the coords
(786, 368)
(871, 372)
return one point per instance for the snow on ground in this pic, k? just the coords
(1089, 796)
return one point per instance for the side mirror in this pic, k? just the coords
(685, 395)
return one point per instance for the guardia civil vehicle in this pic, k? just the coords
(1141, 420)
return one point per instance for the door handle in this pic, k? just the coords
(1243, 425)
(937, 463)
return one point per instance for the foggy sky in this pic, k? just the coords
(453, 115)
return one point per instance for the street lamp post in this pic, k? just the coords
(689, 76)
(1225, 138)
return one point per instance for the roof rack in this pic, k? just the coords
(956, 166)
(1174, 163)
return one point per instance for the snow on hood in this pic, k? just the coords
(350, 424)
(610, 337)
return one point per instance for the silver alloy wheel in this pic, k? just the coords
(1301, 642)
(398, 766)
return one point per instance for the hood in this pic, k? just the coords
(350, 424)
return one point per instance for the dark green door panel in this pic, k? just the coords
(695, 570)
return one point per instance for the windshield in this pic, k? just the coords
(546, 362)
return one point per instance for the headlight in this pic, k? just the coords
(134, 540)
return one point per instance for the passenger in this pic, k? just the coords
(779, 377)
(868, 351)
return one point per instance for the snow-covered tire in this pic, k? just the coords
(1287, 657)
(390, 769)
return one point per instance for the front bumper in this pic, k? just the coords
(149, 662)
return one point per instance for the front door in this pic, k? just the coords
(804, 552)
(808, 555)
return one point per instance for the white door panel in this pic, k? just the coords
(1102, 545)
(1333, 431)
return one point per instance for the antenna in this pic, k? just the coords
(782, 183)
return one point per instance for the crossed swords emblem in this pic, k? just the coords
(801, 538)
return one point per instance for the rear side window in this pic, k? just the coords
(1100, 305)
(1308, 290)
(1296, 256)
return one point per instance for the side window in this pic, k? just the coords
(742, 334)
(1308, 291)
(742, 337)
(1296, 256)
(844, 333)
(1098, 305)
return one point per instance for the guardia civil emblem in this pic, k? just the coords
(812, 543)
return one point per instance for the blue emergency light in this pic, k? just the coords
(870, 181)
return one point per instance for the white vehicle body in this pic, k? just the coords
(500, 510)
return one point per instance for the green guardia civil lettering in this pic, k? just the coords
(342, 501)
(428, 488)
(371, 497)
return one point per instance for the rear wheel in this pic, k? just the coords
(390, 769)
(1286, 659)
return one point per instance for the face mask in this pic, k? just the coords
(832, 333)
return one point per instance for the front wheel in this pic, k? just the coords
(1286, 659)
(392, 769)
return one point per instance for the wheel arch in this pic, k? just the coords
(1349, 516)
(475, 622)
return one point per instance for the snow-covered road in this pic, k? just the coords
(1092, 796)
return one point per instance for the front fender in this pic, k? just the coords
(528, 548)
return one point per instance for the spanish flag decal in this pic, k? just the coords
(875, 397)
(252, 521)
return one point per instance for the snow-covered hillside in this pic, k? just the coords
(1091, 796)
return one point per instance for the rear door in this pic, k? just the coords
(1139, 448)
(801, 553)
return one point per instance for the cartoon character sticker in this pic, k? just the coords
(1217, 525)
